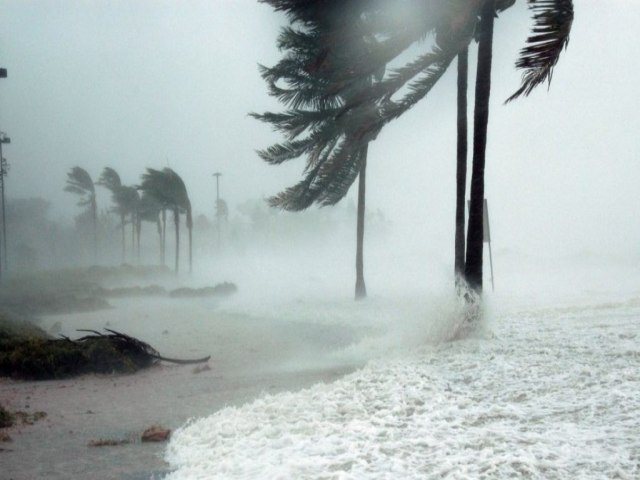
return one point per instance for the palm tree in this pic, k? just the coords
(149, 211)
(316, 72)
(79, 182)
(128, 199)
(168, 189)
(181, 198)
(111, 181)
(461, 162)
(326, 75)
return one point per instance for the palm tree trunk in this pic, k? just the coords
(94, 214)
(176, 221)
(361, 289)
(475, 240)
(159, 224)
(133, 236)
(190, 227)
(124, 242)
(461, 163)
(138, 230)
(163, 240)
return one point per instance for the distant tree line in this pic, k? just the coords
(158, 192)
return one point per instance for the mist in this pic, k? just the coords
(161, 84)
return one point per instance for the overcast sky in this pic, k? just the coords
(135, 84)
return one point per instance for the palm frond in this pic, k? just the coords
(79, 181)
(550, 36)
(110, 179)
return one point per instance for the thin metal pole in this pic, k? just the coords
(4, 215)
(2, 246)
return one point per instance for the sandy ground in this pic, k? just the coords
(251, 356)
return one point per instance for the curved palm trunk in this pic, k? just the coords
(473, 266)
(461, 163)
(176, 221)
(361, 289)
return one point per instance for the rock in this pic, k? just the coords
(155, 433)
(4, 437)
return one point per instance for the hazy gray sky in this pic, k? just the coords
(166, 83)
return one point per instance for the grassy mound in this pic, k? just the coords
(26, 352)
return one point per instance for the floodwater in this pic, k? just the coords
(311, 386)
(251, 356)
(542, 392)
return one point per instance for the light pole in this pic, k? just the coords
(4, 168)
(218, 175)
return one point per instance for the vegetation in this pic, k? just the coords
(169, 191)
(336, 149)
(79, 182)
(325, 79)
(125, 200)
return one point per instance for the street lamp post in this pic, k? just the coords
(218, 175)
(4, 168)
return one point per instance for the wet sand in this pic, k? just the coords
(251, 357)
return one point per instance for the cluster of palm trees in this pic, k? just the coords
(158, 191)
(339, 91)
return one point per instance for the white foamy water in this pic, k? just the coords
(542, 392)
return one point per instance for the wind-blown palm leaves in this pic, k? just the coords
(322, 81)
(149, 211)
(79, 182)
(168, 189)
(125, 200)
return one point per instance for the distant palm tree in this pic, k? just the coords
(111, 181)
(170, 192)
(79, 182)
(125, 201)
(149, 211)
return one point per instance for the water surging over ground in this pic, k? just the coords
(543, 392)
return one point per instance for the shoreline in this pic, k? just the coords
(251, 357)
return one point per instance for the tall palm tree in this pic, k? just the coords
(110, 179)
(79, 182)
(149, 211)
(461, 161)
(168, 189)
(179, 192)
(475, 235)
(314, 67)
(326, 74)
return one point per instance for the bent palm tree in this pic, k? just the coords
(327, 72)
(149, 211)
(79, 182)
(168, 189)
(111, 181)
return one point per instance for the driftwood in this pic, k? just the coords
(138, 345)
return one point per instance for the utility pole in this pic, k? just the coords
(4, 168)
(3, 74)
(218, 175)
